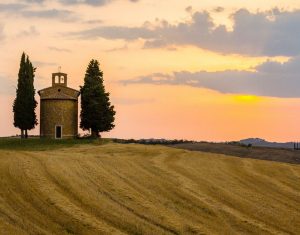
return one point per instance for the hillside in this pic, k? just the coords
(262, 153)
(263, 143)
(137, 189)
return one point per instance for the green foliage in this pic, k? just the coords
(25, 103)
(97, 113)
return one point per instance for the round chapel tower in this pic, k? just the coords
(59, 109)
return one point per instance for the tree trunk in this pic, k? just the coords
(26, 134)
(22, 134)
(95, 134)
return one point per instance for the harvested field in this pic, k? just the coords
(262, 153)
(137, 189)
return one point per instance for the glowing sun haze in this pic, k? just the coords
(202, 70)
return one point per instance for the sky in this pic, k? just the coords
(213, 70)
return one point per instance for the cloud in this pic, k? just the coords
(270, 79)
(88, 2)
(34, 1)
(32, 31)
(93, 22)
(218, 9)
(64, 15)
(11, 7)
(59, 49)
(123, 48)
(24, 11)
(115, 32)
(272, 33)
(189, 9)
(43, 64)
(73, 2)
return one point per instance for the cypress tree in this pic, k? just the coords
(97, 113)
(25, 103)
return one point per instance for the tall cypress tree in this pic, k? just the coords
(25, 103)
(97, 113)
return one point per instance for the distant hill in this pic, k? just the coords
(263, 143)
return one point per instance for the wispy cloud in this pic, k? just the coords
(88, 2)
(11, 7)
(32, 31)
(59, 49)
(91, 2)
(73, 2)
(269, 79)
(269, 33)
(34, 1)
(64, 15)
(93, 22)
(43, 64)
(123, 48)
(24, 10)
(115, 32)
(218, 9)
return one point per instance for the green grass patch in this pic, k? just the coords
(37, 144)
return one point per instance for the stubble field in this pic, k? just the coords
(137, 189)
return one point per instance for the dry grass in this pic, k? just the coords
(262, 153)
(136, 189)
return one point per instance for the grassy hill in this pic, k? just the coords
(137, 189)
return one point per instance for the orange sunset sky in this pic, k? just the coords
(215, 70)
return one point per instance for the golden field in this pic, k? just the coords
(137, 189)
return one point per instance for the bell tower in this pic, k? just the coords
(59, 79)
